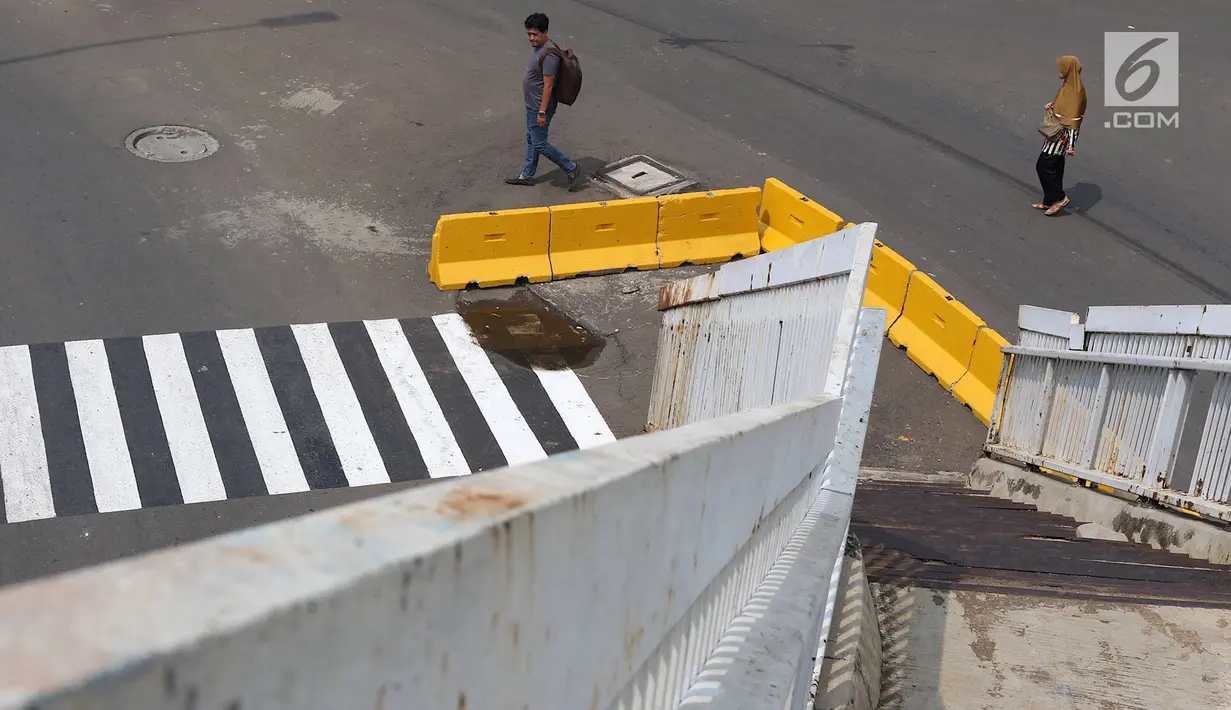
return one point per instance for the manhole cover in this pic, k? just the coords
(642, 176)
(170, 144)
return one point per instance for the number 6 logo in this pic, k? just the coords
(1130, 66)
(1125, 60)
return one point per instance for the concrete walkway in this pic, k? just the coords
(989, 604)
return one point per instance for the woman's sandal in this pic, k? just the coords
(1039, 206)
(1057, 207)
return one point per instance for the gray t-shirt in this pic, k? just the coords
(532, 84)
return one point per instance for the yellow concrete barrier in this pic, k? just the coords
(789, 218)
(937, 331)
(491, 248)
(707, 227)
(602, 237)
(977, 388)
(888, 277)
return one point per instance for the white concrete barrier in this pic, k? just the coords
(597, 579)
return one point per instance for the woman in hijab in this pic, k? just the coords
(1069, 107)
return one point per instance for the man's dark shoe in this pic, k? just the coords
(519, 180)
(573, 178)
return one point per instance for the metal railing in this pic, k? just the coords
(691, 566)
(1112, 401)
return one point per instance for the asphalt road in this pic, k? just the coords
(348, 127)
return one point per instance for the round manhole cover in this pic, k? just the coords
(171, 144)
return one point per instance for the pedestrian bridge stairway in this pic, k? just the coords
(989, 603)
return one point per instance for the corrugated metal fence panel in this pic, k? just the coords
(1136, 397)
(1076, 385)
(1035, 339)
(1212, 475)
(1023, 407)
(677, 346)
(1212, 348)
(810, 314)
(1140, 344)
(768, 330)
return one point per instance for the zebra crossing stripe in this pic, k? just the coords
(119, 424)
(23, 458)
(102, 431)
(339, 406)
(437, 445)
(582, 418)
(67, 466)
(509, 427)
(381, 409)
(143, 423)
(187, 438)
(267, 428)
(462, 414)
(238, 466)
(301, 408)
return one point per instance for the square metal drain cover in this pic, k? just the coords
(642, 176)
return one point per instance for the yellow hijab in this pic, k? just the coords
(1070, 103)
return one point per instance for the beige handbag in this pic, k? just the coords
(1051, 126)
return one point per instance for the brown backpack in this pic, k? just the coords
(568, 78)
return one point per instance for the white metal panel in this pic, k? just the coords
(1046, 320)
(1160, 320)
(1216, 321)
(747, 275)
(803, 264)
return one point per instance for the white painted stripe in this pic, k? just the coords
(196, 467)
(512, 433)
(426, 420)
(23, 457)
(106, 447)
(352, 439)
(575, 407)
(275, 450)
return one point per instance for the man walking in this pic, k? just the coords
(537, 88)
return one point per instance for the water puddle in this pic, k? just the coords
(528, 331)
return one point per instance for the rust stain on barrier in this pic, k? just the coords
(680, 293)
(251, 554)
(630, 644)
(468, 502)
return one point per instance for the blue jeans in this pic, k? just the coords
(536, 144)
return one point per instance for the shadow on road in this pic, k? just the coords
(589, 166)
(1083, 196)
(273, 23)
